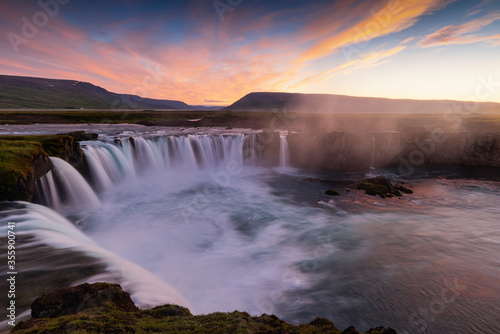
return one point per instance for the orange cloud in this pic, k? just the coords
(460, 34)
(214, 61)
(393, 16)
(367, 60)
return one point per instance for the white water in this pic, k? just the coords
(284, 152)
(46, 227)
(110, 163)
(75, 194)
(227, 235)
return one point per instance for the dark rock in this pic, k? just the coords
(381, 330)
(17, 185)
(75, 299)
(351, 330)
(404, 189)
(331, 192)
(382, 187)
(267, 148)
(82, 135)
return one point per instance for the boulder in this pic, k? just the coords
(75, 299)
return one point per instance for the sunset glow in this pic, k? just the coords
(214, 52)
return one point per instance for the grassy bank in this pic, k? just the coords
(106, 308)
(16, 162)
(23, 159)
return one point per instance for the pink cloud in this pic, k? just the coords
(461, 34)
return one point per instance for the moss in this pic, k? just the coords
(114, 318)
(21, 166)
(53, 145)
(16, 166)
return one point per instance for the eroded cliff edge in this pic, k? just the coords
(407, 149)
(24, 159)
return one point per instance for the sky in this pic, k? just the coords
(215, 52)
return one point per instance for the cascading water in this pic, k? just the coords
(284, 152)
(69, 192)
(46, 229)
(109, 162)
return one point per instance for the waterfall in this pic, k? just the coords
(50, 232)
(65, 189)
(110, 162)
(284, 152)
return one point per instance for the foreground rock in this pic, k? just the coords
(106, 308)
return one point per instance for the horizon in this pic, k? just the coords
(214, 53)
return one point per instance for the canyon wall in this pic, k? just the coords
(413, 147)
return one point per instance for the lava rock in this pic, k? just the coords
(75, 299)
(331, 192)
(382, 187)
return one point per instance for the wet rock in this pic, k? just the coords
(381, 186)
(381, 330)
(75, 299)
(351, 330)
(82, 135)
(331, 192)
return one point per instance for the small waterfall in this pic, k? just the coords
(284, 152)
(372, 160)
(107, 164)
(46, 229)
(65, 189)
(46, 192)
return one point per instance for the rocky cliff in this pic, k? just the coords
(24, 159)
(413, 147)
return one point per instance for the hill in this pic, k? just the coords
(40, 93)
(295, 102)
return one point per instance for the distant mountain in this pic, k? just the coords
(27, 93)
(294, 102)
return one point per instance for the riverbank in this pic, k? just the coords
(106, 308)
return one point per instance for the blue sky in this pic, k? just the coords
(199, 51)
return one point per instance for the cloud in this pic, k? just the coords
(365, 61)
(393, 16)
(215, 101)
(461, 34)
(204, 59)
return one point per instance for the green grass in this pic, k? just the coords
(30, 97)
(15, 161)
(109, 320)
(17, 154)
(53, 145)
